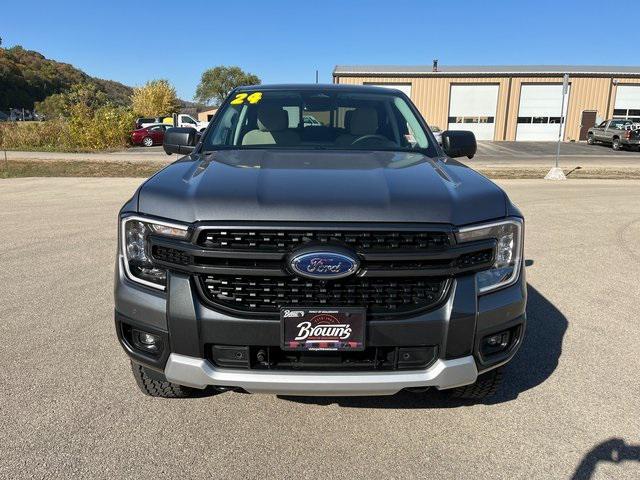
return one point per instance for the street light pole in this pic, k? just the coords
(556, 172)
(565, 85)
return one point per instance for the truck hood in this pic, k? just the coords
(320, 185)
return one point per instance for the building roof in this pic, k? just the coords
(484, 70)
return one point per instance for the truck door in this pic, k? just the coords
(598, 133)
(613, 128)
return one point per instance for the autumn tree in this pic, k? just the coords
(216, 83)
(57, 105)
(155, 98)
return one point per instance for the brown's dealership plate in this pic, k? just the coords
(322, 329)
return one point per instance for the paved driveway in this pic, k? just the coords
(548, 149)
(69, 406)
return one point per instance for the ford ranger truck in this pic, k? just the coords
(348, 256)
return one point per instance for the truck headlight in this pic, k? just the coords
(135, 250)
(506, 269)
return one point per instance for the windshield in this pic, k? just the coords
(318, 119)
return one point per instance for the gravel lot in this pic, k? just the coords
(69, 406)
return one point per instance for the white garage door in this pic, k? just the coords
(539, 113)
(403, 87)
(627, 102)
(473, 107)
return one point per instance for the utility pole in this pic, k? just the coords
(316, 76)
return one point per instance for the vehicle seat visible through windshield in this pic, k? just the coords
(273, 128)
(361, 121)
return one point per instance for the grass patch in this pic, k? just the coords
(48, 168)
(611, 173)
(81, 168)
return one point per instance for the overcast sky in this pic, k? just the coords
(285, 41)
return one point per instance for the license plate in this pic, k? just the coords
(322, 329)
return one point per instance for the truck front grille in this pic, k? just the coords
(285, 240)
(246, 270)
(379, 295)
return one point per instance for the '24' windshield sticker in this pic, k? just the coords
(240, 98)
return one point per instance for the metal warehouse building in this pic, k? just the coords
(510, 102)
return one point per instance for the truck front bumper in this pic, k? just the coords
(189, 328)
(198, 373)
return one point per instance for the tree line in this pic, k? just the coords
(29, 80)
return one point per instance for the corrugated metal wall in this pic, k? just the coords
(431, 96)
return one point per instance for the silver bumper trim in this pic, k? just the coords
(198, 373)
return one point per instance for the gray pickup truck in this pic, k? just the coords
(348, 256)
(618, 132)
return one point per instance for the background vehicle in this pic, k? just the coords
(310, 120)
(185, 120)
(436, 133)
(147, 121)
(149, 136)
(619, 133)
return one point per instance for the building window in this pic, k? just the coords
(485, 119)
(626, 114)
(540, 119)
(471, 119)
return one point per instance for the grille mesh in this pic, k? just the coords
(268, 295)
(285, 240)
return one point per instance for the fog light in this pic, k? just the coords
(495, 343)
(500, 340)
(146, 341)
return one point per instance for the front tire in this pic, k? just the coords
(160, 388)
(590, 139)
(485, 386)
(616, 144)
(147, 142)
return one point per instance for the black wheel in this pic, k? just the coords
(486, 385)
(155, 387)
(147, 142)
(616, 144)
(590, 139)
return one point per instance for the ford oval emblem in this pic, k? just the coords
(324, 265)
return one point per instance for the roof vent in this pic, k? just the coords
(435, 65)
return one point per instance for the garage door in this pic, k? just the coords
(473, 107)
(403, 87)
(627, 102)
(539, 113)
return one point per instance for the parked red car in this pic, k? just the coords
(149, 136)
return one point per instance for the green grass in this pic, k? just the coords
(17, 168)
(79, 168)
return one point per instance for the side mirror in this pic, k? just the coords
(180, 140)
(459, 143)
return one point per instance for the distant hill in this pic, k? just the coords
(27, 77)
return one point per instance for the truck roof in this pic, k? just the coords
(318, 87)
